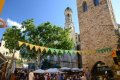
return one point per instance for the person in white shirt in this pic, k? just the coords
(31, 76)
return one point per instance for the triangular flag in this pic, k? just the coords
(98, 51)
(37, 47)
(91, 52)
(83, 52)
(114, 53)
(88, 52)
(46, 49)
(70, 51)
(61, 51)
(75, 51)
(66, 51)
(102, 50)
(27, 44)
(80, 52)
(109, 49)
(42, 48)
(31, 46)
(20, 43)
(52, 50)
(57, 51)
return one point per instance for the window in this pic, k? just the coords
(85, 7)
(68, 15)
(96, 2)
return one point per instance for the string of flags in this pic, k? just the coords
(41, 48)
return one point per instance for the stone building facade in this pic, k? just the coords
(6, 52)
(97, 30)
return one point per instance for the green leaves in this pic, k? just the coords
(45, 34)
(11, 37)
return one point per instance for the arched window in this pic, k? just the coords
(96, 2)
(68, 15)
(85, 7)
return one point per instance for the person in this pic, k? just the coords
(61, 77)
(68, 78)
(31, 76)
(48, 76)
(52, 76)
(45, 76)
(83, 77)
(58, 76)
(13, 77)
(87, 73)
(64, 77)
(37, 77)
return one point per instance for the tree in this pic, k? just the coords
(46, 34)
(11, 38)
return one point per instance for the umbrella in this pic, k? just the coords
(52, 70)
(39, 71)
(76, 69)
(65, 68)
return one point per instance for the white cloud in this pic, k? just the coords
(14, 23)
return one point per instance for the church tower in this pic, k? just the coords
(97, 30)
(69, 22)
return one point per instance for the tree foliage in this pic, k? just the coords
(11, 38)
(45, 34)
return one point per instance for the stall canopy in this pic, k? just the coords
(52, 70)
(39, 71)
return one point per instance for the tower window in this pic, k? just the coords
(96, 2)
(68, 15)
(85, 7)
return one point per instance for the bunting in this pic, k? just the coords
(27, 44)
(114, 53)
(31, 46)
(41, 48)
(20, 43)
(37, 48)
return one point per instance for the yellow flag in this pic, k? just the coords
(27, 44)
(75, 52)
(20, 43)
(46, 49)
(80, 52)
(31, 46)
(37, 47)
(1, 5)
(42, 48)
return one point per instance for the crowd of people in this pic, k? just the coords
(57, 76)
(23, 74)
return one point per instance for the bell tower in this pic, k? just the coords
(69, 22)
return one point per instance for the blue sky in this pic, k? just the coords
(16, 11)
